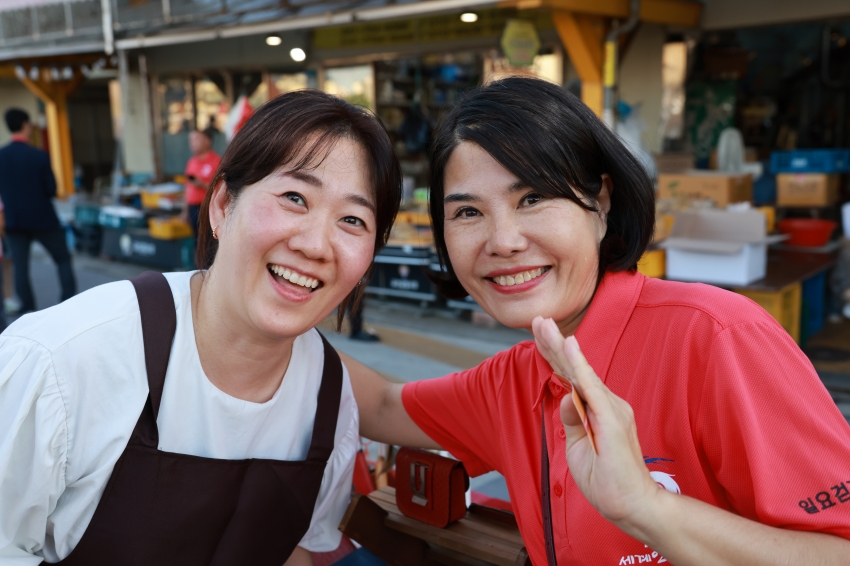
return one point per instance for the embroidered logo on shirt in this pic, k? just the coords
(663, 479)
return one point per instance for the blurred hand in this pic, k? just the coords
(615, 480)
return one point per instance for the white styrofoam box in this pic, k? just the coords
(740, 268)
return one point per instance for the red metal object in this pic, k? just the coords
(807, 232)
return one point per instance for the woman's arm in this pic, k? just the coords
(382, 414)
(299, 557)
(617, 483)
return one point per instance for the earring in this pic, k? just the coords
(215, 236)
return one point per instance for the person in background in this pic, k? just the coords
(27, 186)
(199, 172)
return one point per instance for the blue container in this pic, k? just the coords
(810, 161)
(764, 188)
(813, 308)
(86, 214)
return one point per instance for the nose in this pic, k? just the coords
(505, 236)
(312, 239)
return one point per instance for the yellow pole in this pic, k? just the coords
(55, 98)
(582, 37)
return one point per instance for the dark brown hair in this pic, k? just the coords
(555, 145)
(298, 130)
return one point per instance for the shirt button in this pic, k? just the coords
(558, 491)
(561, 433)
(556, 390)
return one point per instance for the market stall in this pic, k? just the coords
(145, 228)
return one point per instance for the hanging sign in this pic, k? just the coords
(520, 42)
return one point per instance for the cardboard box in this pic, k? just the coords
(674, 162)
(715, 246)
(722, 188)
(807, 189)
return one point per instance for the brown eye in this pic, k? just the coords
(466, 212)
(531, 199)
(296, 198)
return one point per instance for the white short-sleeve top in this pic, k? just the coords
(73, 384)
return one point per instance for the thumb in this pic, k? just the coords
(573, 427)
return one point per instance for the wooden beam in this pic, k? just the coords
(582, 37)
(671, 13)
(684, 13)
(54, 94)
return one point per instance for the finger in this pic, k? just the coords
(573, 427)
(584, 377)
(553, 341)
(544, 347)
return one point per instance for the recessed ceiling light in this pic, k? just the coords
(469, 17)
(297, 54)
(274, 40)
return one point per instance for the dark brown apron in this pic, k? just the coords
(164, 508)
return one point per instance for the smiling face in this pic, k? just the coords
(518, 254)
(295, 244)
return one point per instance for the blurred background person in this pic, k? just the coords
(199, 172)
(27, 186)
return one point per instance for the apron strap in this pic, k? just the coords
(548, 534)
(159, 322)
(327, 406)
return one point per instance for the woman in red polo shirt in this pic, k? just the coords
(716, 443)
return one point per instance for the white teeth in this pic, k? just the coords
(516, 279)
(294, 277)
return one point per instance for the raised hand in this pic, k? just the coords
(613, 477)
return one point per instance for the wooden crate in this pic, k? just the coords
(783, 305)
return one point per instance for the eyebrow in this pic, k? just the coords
(357, 199)
(466, 197)
(306, 177)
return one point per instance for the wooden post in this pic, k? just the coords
(54, 94)
(583, 37)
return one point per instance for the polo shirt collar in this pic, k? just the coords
(600, 329)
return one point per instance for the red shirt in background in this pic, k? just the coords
(203, 168)
(728, 411)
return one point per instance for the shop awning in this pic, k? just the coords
(253, 17)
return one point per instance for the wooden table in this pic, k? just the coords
(786, 267)
(484, 536)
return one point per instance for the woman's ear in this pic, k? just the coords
(219, 203)
(603, 201)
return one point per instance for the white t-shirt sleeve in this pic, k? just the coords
(33, 449)
(335, 492)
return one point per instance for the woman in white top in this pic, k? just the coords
(199, 418)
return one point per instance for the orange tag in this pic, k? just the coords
(582, 411)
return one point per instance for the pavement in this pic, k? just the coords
(415, 344)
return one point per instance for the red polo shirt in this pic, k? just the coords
(203, 167)
(728, 410)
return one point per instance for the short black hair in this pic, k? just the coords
(552, 142)
(15, 119)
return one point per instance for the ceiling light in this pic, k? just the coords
(297, 54)
(274, 40)
(33, 73)
(469, 17)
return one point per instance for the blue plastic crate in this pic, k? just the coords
(810, 161)
(813, 308)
